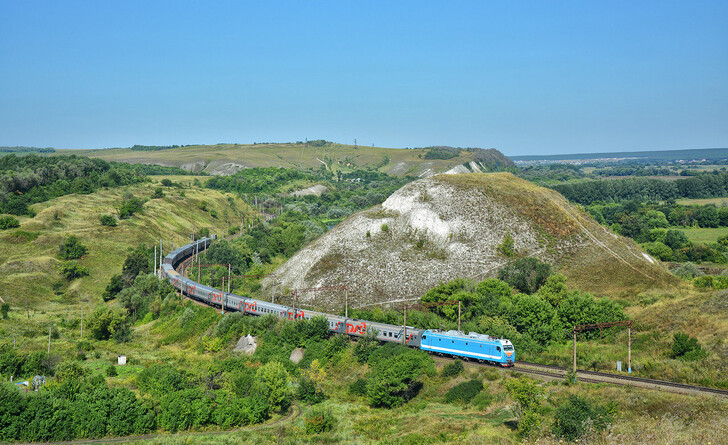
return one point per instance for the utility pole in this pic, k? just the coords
(155, 260)
(574, 350)
(458, 315)
(49, 339)
(629, 349)
(404, 326)
(229, 277)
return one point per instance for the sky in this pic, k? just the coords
(527, 77)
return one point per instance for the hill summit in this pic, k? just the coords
(451, 226)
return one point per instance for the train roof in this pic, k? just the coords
(468, 336)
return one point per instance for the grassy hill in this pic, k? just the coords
(28, 254)
(230, 158)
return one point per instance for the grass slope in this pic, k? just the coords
(222, 158)
(28, 262)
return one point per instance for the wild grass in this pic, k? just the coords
(704, 235)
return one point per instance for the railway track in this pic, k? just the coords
(624, 380)
(558, 372)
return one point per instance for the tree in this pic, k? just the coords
(72, 270)
(4, 309)
(109, 322)
(554, 289)
(525, 274)
(71, 248)
(533, 315)
(273, 382)
(676, 239)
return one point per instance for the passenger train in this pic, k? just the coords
(477, 347)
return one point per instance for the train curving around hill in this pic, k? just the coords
(471, 346)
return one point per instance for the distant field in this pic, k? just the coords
(664, 155)
(229, 158)
(705, 235)
(719, 202)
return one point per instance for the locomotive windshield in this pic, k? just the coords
(508, 348)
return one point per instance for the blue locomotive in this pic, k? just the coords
(480, 347)
(473, 346)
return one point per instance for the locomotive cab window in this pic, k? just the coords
(497, 348)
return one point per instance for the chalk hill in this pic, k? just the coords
(450, 226)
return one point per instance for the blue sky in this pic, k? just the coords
(523, 77)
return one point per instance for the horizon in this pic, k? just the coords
(528, 79)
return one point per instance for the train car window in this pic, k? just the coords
(424, 337)
(453, 341)
(466, 343)
(497, 348)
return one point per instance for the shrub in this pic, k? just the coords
(359, 387)
(464, 392)
(129, 206)
(319, 420)
(506, 247)
(576, 417)
(108, 220)
(687, 271)
(452, 369)
(71, 249)
(186, 317)
(385, 228)
(158, 193)
(167, 182)
(8, 222)
(72, 270)
(111, 371)
(4, 309)
(686, 348)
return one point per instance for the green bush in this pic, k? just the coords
(686, 348)
(72, 270)
(71, 249)
(111, 371)
(507, 246)
(452, 369)
(8, 222)
(158, 193)
(129, 206)
(319, 420)
(108, 220)
(308, 392)
(464, 392)
(4, 309)
(359, 387)
(577, 417)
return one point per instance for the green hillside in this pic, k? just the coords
(29, 265)
(229, 158)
